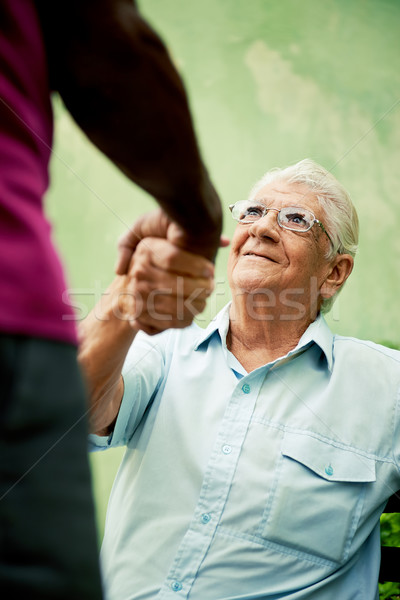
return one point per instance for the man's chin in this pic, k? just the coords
(252, 286)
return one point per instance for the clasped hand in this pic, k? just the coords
(164, 285)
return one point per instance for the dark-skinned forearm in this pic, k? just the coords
(117, 80)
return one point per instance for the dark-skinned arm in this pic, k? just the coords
(117, 80)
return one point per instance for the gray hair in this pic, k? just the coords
(340, 216)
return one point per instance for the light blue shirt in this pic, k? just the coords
(264, 485)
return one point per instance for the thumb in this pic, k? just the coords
(153, 224)
(176, 235)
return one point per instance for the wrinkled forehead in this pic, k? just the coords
(279, 194)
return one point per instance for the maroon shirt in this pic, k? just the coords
(32, 286)
(118, 82)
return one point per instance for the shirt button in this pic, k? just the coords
(226, 449)
(329, 470)
(205, 518)
(176, 586)
(246, 388)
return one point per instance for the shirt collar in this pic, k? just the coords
(318, 332)
(219, 323)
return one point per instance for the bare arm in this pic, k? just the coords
(105, 337)
(117, 80)
(165, 288)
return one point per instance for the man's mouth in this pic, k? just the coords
(258, 255)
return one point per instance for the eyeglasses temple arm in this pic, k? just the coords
(324, 230)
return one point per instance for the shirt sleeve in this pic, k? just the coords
(144, 370)
(117, 80)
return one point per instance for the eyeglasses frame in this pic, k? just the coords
(278, 210)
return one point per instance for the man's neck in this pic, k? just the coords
(257, 338)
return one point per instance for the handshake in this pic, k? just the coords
(161, 283)
(163, 278)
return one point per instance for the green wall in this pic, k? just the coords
(270, 82)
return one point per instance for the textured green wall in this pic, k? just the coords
(270, 82)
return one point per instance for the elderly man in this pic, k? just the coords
(261, 450)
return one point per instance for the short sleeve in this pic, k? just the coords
(143, 371)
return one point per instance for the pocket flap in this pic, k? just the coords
(328, 461)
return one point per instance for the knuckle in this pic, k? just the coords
(140, 268)
(140, 286)
(142, 250)
(170, 254)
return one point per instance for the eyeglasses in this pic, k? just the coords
(294, 218)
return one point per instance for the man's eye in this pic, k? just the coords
(252, 211)
(296, 219)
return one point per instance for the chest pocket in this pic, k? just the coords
(319, 497)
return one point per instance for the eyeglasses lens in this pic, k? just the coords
(298, 219)
(247, 212)
(289, 217)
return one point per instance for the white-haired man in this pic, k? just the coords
(252, 468)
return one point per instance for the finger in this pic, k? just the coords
(153, 224)
(166, 307)
(123, 260)
(126, 246)
(165, 255)
(149, 280)
(162, 308)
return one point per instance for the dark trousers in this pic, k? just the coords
(48, 542)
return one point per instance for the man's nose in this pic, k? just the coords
(266, 226)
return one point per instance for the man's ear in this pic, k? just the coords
(339, 270)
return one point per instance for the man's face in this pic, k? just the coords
(264, 256)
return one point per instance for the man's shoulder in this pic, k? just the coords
(370, 352)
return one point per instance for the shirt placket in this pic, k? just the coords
(215, 489)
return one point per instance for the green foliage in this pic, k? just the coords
(390, 529)
(389, 591)
(390, 536)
